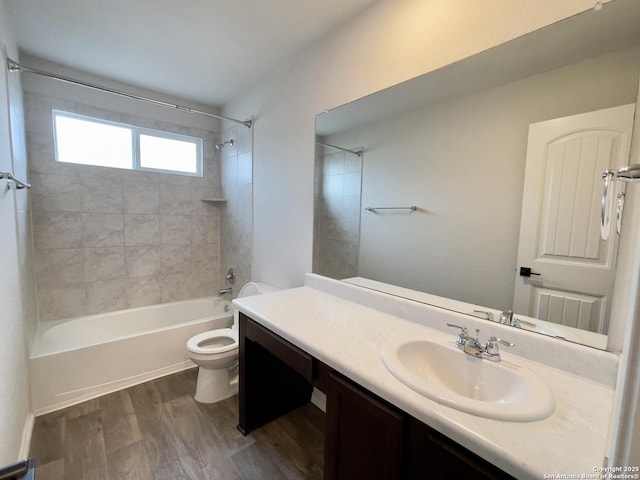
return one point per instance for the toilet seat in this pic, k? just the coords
(205, 344)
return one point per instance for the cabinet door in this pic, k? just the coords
(432, 455)
(364, 437)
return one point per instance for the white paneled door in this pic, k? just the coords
(572, 269)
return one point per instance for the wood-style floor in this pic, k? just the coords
(157, 431)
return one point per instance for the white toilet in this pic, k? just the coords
(216, 353)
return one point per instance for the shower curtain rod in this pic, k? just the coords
(355, 152)
(16, 67)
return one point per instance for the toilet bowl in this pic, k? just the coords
(216, 353)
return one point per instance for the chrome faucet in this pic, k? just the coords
(507, 318)
(229, 279)
(472, 346)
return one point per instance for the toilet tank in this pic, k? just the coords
(250, 289)
(255, 288)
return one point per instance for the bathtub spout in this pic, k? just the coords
(223, 291)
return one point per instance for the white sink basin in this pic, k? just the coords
(448, 376)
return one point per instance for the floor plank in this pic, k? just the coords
(157, 434)
(119, 420)
(223, 416)
(260, 461)
(130, 462)
(297, 452)
(157, 431)
(84, 452)
(48, 445)
(148, 407)
(198, 448)
(81, 409)
(175, 386)
(53, 470)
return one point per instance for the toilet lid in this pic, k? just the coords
(214, 341)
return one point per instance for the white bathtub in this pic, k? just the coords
(81, 358)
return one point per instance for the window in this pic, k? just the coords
(92, 141)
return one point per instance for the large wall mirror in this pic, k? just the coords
(500, 155)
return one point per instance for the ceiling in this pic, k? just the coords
(207, 51)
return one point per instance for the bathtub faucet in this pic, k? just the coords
(222, 291)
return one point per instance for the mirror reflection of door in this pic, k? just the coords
(560, 227)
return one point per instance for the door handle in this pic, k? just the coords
(526, 272)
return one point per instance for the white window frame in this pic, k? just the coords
(136, 131)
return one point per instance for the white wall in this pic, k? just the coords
(391, 42)
(15, 418)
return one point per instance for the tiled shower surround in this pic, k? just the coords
(108, 239)
(237, 213)
(338, 179)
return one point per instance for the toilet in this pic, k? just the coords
(216, 353)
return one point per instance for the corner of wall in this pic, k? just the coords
(15, 416)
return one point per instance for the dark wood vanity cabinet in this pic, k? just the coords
(429, 454)
(368, 438)
(365, 437)
(275, 376)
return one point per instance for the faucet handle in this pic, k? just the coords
(464, 330)
(517, 322)
(494, 339)
(492, 345)
(462, 336)
(487, 315)
(492, 349)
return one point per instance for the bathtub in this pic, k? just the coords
(81, 358)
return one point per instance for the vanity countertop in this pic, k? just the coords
(349, 337)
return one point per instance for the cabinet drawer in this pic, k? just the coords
(291, 355)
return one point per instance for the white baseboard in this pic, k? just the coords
(27, 431)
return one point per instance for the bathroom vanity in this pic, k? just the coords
(376, 427)
(365, 436)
